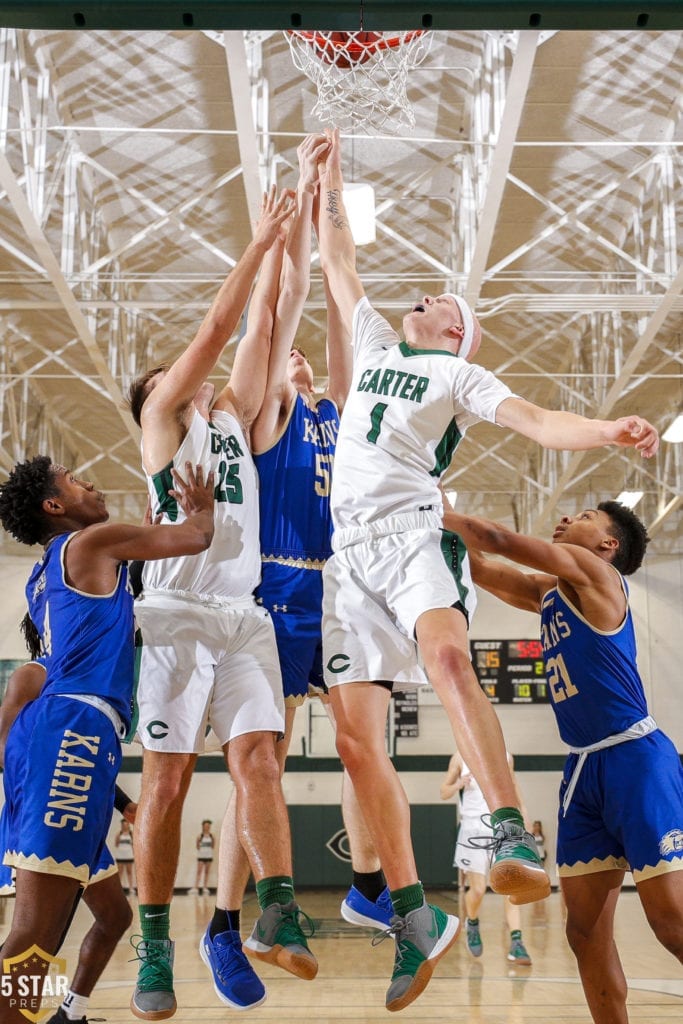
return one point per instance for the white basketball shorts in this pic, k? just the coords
(205, 664)
(375, 590)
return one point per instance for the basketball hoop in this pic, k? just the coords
(361, 77)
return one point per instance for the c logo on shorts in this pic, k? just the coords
(342, 660)
(157, 730)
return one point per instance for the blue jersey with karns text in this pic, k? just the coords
(592, 675)
(87, 638)
(295, 476)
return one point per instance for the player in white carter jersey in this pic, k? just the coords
(209, 656)
(398, 581)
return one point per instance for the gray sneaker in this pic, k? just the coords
(422, 937)
(516, 869)
(278, 939)
(474, 943)
(518, 953)
(153, 998)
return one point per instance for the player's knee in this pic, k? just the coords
(669, 931)
(476, 885)
(352, 749)
(166, 791)
(252, 760)
(578, 937)
(451, 661)
(165, 785)
(119, 918)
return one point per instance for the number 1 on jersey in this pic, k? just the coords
(376, 421)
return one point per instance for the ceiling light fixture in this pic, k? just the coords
(629, 498)
(359, 201)
(674, 432)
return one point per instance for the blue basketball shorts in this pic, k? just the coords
(626, 811)
(294, 596)
(61, 761)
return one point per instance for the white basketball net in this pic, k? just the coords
(361, 77)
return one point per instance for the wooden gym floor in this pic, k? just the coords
(354, 975)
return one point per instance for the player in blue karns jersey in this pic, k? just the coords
(79, 601)
(295, 436)
(103, 895)
(621, 798)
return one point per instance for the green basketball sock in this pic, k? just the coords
(410, 897)
(276, 889)
(155, 920)
(507, 814)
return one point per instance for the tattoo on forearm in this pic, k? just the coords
(333, 208)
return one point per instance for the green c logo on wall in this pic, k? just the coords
(338, 663)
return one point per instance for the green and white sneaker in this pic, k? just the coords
(153, 998)
(278, 939)
(474, 943)
(518, 953)
(422, 937)
(516, 869)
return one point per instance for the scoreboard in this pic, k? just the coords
(510, 671)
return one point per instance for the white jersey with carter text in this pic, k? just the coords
(231, 565)
(405, 414)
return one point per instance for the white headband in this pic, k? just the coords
(467, 324)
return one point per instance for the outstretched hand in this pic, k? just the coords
(274, 212)
(332, 157)
(311, 153)
(635, 432)
(193, 495)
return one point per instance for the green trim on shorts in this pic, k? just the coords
(454, 553)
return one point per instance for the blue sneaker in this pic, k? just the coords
(358, 909)
(234, 979)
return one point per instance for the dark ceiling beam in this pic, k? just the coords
(652, 15)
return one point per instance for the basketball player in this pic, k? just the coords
(59, 811)
(397, 582)
(621, 797)
(209, 655)
(103, 895)
(294, 438)
(472, 855)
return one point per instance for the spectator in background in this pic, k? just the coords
(205, 847)
(123, 854)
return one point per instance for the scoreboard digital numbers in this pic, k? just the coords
(510, 671)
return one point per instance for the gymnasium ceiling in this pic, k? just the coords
(542, 179)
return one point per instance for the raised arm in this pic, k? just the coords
(94, 553)
(568, 432)
(337, 248)
(162, 411)
(593, 581)
(507, 583)
(244, 391)
(339, 351)
(294, 288)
